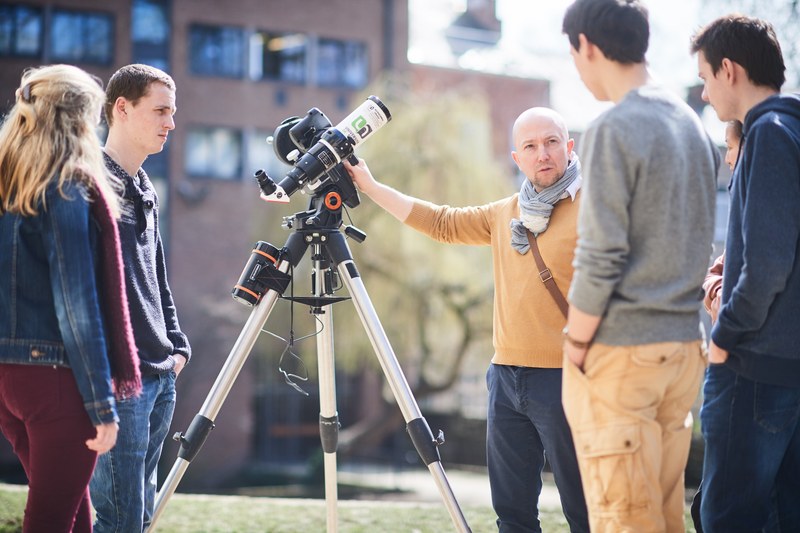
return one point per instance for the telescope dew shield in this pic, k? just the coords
(365, 120)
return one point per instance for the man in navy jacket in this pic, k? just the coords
(752, 392)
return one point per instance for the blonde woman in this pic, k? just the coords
(63, 322)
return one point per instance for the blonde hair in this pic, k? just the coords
(49, 135)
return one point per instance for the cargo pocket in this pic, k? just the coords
(614, 477)
(576, 397)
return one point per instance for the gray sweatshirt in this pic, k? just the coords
(646, 223)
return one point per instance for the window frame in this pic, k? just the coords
(341, 82)
(207, 29)
(109, 51)
(14, 12)
(207, 173)
(270, 34)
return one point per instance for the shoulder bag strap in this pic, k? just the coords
(546, 276)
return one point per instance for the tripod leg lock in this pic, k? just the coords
(329, 433)
(424, 441)
(194, 438)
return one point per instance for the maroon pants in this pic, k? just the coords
(42, 416)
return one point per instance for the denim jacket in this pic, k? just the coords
(49, 306)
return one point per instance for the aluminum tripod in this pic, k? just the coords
(268, 269)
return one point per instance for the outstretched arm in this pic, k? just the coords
(393, 201)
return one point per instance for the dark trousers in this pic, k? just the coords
(42, 416)
(751, 469)
(525, 423)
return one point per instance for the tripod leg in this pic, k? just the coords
(203, 422)
(328, 416)
(421, 435)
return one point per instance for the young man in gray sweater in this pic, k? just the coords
(634, 356)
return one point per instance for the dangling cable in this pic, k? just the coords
(290, 377)
(288, 353)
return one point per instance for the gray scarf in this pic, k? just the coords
(535, 207)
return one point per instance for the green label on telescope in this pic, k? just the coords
(361, 126)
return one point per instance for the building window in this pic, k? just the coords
(214, 153)
(291, 57)
(216, 51)
(20, 31)
(342, 63)
(261, 155)
(82, 37)
(278, 56)
(150, 27)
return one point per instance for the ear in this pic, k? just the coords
(120, 107)
(728, 71)
(587, 49)
(570, 146)
(515, 157)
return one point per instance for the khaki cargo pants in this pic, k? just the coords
(629, 412)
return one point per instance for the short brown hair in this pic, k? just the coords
(132, 82)
(619, 28)
(747, 41)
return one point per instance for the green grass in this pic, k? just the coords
(192, 513)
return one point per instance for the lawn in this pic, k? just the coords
(192, 513)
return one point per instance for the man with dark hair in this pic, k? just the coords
(751, 405)
(140, 103)
(634, 356)
(525, 420)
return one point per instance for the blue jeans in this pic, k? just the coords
(123, 486)
(752, 454)
(525, 422)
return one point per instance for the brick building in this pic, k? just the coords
(240, 66)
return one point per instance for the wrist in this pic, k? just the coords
(575, 343)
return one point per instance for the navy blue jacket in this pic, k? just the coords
(153, 316)
(49, 306)
(759, 318)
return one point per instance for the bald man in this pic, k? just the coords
(525, 418)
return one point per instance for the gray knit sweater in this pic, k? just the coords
(646, 223)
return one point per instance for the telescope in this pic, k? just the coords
(317, 149)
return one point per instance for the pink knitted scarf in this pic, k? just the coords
(122, 352)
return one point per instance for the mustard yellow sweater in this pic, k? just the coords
(527, 322)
